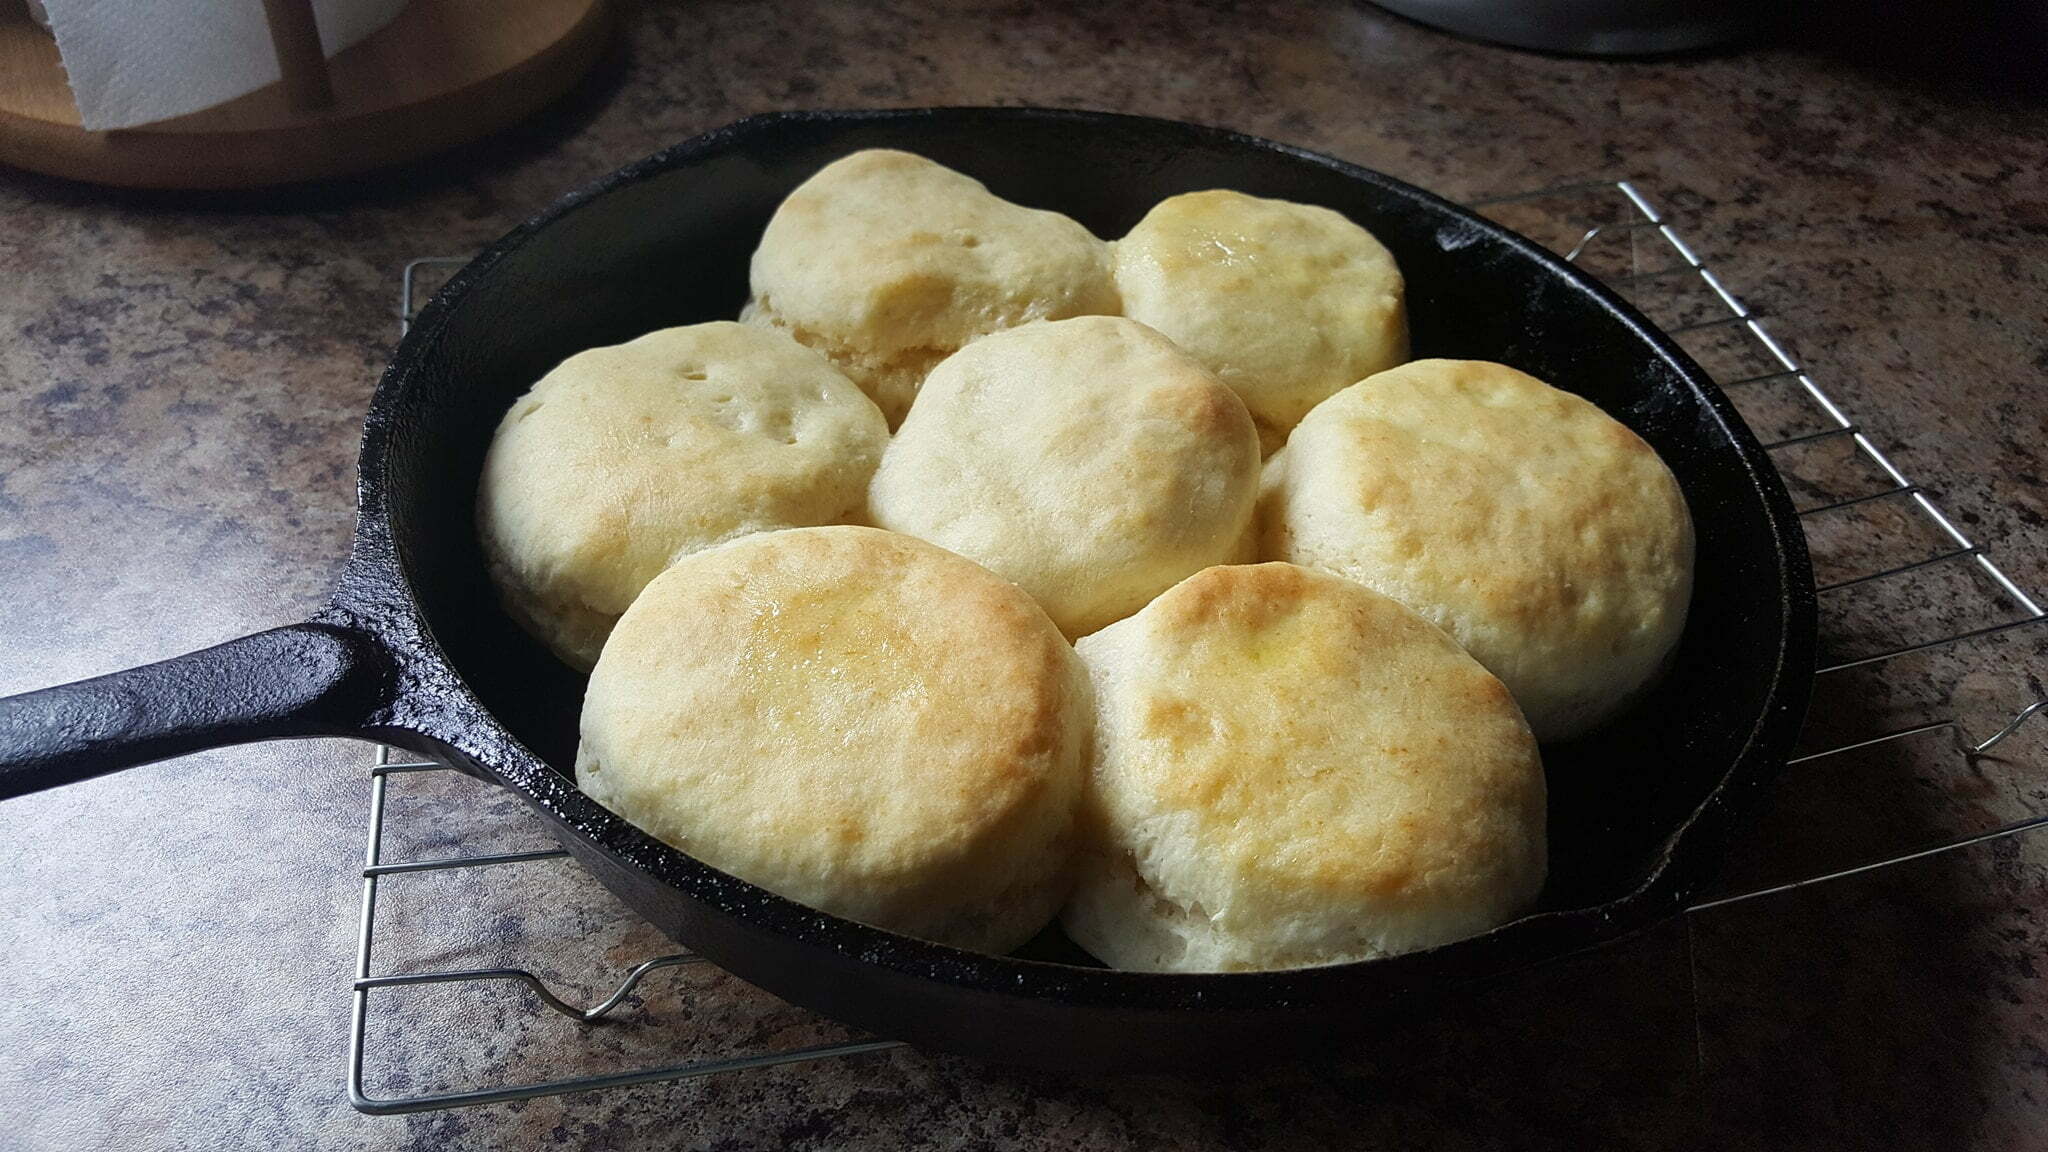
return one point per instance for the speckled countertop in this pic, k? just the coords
(181, 381)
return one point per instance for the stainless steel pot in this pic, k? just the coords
(1595, 27)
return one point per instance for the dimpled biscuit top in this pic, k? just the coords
(1287, 303)
(1089, 460)
(888, 263)
(1291, 769)
(624, 458)
(1545, 536)
(854, 719)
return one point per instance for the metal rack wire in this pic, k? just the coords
(1608, 227)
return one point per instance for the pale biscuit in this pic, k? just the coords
(624, 458)
(888, 263)
(1544, 535)
(1287, 303)
(1089, 460)
(857, 720)
(1290, 769)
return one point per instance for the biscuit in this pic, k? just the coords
(624, 458)
(1287, 303)
(1541, 533)
(1290, 769)
(854, 719)
(1089, 460)
(888, 263)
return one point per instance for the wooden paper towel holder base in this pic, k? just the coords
(442, 73)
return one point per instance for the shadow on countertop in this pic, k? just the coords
(1997, 47)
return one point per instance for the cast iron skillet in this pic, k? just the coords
(413, 651)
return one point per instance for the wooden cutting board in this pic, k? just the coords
(443, 72)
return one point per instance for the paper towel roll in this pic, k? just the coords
(133, 63)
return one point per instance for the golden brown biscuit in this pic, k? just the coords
(1287, 303)
(624, 458)
(1291, 769)
(1089, 460)
(888, 263)
(1537, 530)
(855, 719)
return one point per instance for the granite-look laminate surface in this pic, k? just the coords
(181, 384)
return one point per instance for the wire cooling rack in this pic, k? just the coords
(1888, 561)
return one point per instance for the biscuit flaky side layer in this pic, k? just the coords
(891, 377)
(623, 458)
(1291, 769)
(1543, 534)
(855, 719)
(888, 262)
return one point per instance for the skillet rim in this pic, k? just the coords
(377, 592)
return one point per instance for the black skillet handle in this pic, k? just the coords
(302, 680)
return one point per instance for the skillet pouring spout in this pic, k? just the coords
(313, 679)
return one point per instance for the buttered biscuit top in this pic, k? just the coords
(1292, 769)
(853, 719)
(1543, 534)
(1089, 460)
(624, 458)
(1287, 303)
(888, 262)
